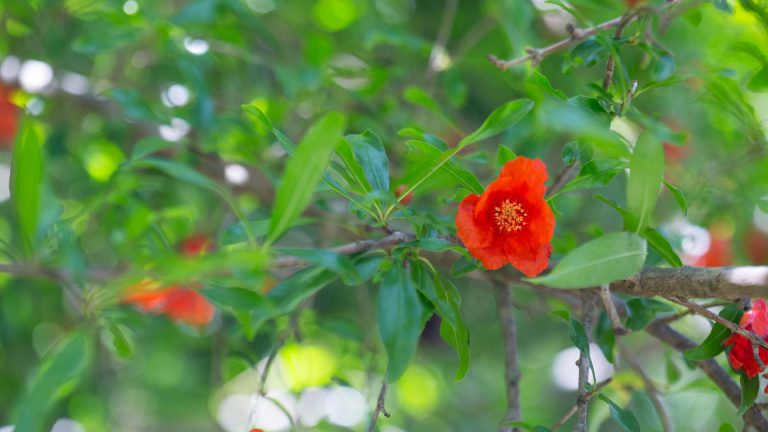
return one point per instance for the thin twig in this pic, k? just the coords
(511, 366)
(650, 387)
(596, 389)
(582, 401)
(379, 407)
(267, 366)
(562, 179)
(706, 313)
(610, 310)
(389, 241)
(611, 60)
(686, 312)
(536, 55)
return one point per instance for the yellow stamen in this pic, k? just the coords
(510, 216)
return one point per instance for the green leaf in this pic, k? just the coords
(726, 427)
(122, 344)
(134, 105)
(577, 335)
(623, 417)
(576, 151)
(428, 155)
(603, 260)
(399, 320)
(237, 299)
(762, 204)
(369, 152)
(464, 265)
(327, 259)
(286, 142)
(679, 197)
(303, 172)
(642, 311)
(498, 121)
(149, 145)
(291, 291)
(713, 344)
(58, 371)
(503, 155)
(672, 371)
(236, 233)
(759, 81)
(663, 67)
(539, 80)
(27, 173)
(596, 173)
(645, 169)
(749, 391)
(604, 336)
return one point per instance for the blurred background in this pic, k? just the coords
(110, 82)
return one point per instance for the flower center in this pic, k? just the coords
(510, 216)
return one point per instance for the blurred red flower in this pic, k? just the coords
(720, 253)
(510, 222)
(178, 302)
(741, 355)
(9, 117)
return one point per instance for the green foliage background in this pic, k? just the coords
(95, 188)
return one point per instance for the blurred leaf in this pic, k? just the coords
(726, 427)
(759, 81)
(326, 259)
(604, 336)
(576, 151)
(236, 233)
(642, 311)
(623, 417)
(103, 38)
(237, 299)
(672, 371)
(603, 260)
(149, 145)
(749, 390)
(303, 172)
(417, 96)
(286, 142)
(58, 371)
(122, 343)
(134, 105)
(26, 183)
(369, 152)
(645, 170)
(504, 155)
(291, 291)
(713, 344)
(596, 173)
(399, 320)
(663, 67)
(679, 197)
(588, 53)
(722, 5)
(498, 121)
(762, 204)
(465, 265)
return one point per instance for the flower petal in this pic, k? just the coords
(472, 234)
(524, 170)
(530, 262)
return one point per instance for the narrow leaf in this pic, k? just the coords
(303, 172)
(27, 168)
(679, 197)
(603, 260)
(623, 417)
(369, 152)
(645, 169)
(749, 391)
(498, 121)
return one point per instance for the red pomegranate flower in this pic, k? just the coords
(178, 302)
(742, 356)
(510, 222)
(9, 117)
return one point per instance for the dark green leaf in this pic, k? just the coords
(122, 343)
(603, 260)
(645, 169)
(759, 81)
(399, 320)
(27, 172)
(749, 390)
(623, 417)
(465, 265)
(713, 344)
(726, 427)
(604, 336)
(302, 173)
(370, 153)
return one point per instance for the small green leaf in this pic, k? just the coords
(540, 80)
(302, 173)
(498, 121)
(122, 344)
(713, 344)
(645, 169)
(149, 145)
(178, 170)
(577, 335)
(642, 311)
(503, 155)
(286, 142)
(291, 291)
(237, 233)
(604, 336)
(623, 417)
(673, 372)
(369, 152)
(27, 173)
(749, 391)
(595, 173)
(399, 319)
(465, 265)
(603, 260)
(679, 197)
(726, 427)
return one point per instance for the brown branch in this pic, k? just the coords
(596, 389)
(650, 388)
(706, 313)
(511, 366)
(611, 60)
(379, 407)
(536, 55)
(710, 367)
(697, 282)
(610, 310)
(562, 179)
(582, 401)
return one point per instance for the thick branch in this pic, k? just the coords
(710, 367)
(536, 55)
(511, 367)
(696, 282)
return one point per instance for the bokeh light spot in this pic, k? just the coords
(334, 15)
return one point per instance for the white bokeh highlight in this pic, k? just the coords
(565, 373)
(35, 76)
(175, 96)
(67, 425)
(236, 174)
(5, 183)
(196, 46)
